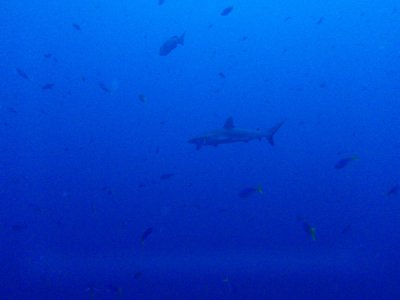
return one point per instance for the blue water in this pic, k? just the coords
(94, 150)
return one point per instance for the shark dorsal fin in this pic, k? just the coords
(229, 123)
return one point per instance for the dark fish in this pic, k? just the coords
(146, 234)
(166, 176)
(309, 230)
(320, 20)
(346, 229)
(47, 86)
(340, 164)
(111, 288)
(142, 98)
(221, 74)
(47, 55)
(22, 74)
(11, 110)
(103, 87)
(250, 191)
(18, 227)
(141, 185)
(137, 275)
(171, 44)
(76, 26)
(393, 191)
(226, 11)
(161, 2)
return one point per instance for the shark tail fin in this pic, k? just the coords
(272, 131)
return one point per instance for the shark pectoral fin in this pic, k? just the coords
(272, 132)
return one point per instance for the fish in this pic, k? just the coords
(393, 191)
(222, 75)
(226, 11)
(11, 110)
(142, 98)
(250, 191)
(76, 26)
(161, 2)
(22, 74)
(47, 86)
(137, 275)
(341, 163)
(307, 228)
(171, 43)
(103, 87)
(166, 176)
(47, 55)
(320, 20)
(19, 227)
(346, 229)
(229, 134)
(146, 234)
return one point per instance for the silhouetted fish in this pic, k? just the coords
(346, 229)
(11, 110)
(250, 191)
(171, 43)
(340, 164)
(47, 55)
(47, 86)
(22, 74)
(76, 26)
(161, 2)
(226, 11)
(393, 191)
(103, 87)
(166, 176)
(146, 234)
(320, 20)
(18, 227)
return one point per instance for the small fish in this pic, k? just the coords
(76, 26)
(309, 230)
(171, 43)
(222, 75)
(250, 191)
(340, 164)
(346, 229)
(11, 110)
(137, 275)
(146, 234)
(18, 227)
(320, 20)
(47, 55)
(47, 86)
(161, 2)
(393, 191)
(226, 11)
(141, 185)
(103, 87)
(111, 288)
(22, 74)
(166, 176)
(142, 98)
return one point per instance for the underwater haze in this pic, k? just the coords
(170, 149)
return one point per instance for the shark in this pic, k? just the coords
(229, 134)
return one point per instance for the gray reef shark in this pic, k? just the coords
(230, 134)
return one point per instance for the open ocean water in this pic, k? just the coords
(170, 149)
